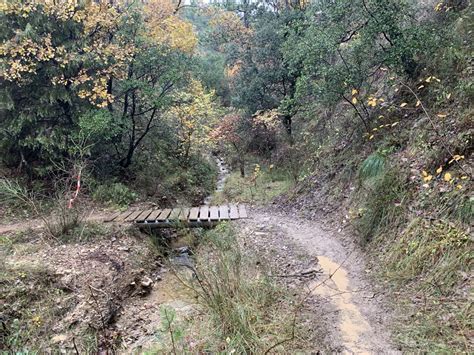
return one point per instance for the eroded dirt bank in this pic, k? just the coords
(350, 310)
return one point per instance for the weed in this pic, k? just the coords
(170, 329)
(247, 308)
(372, 167)
(115, 194)
(431, 259)
(383, 201)
(262, 188)
(28, 293)
(433, 253)
(63, 216)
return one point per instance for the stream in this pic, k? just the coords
(222, 175)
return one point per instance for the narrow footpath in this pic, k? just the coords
(351, 309)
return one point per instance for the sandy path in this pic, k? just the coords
(359, 323)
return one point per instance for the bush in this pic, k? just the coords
(116, 194)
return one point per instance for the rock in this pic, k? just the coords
(184, 250)
(59, 338)
(146, 282)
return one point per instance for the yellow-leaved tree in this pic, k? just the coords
(165, 27)
(193, 115)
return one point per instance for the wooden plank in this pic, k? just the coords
(153, 215)
(112, 217)
(183, 216)
(124, 215)
(194, 214)
(223, 212)
(142, 216)
(234, 212)
(242, 211)
(214, 213)
(174, 214)
(204, 213)
(164, 215)
(133, 216)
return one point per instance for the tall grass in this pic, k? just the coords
(247, 308)
(429, 265)
(382, 200)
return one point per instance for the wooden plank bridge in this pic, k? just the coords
(182, 216)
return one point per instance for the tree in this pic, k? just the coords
(57, 62)
(193, 115)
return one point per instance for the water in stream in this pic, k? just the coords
(222, 174)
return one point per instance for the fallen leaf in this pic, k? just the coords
(447, 177)
(403, 104)
(439, 170)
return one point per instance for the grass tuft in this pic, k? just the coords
(248, 310)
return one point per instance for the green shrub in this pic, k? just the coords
(114, 194)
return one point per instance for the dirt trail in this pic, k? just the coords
(353, 311)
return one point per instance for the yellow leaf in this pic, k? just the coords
(380, 117)
(394, 124)
(421, 87)
(428, 178)
(428, 79)
(403, 104)
(418, 103)
(447, 177)
(354, 92)
(464, 177)
(381, 100)
(459, 186)
(354, 100)
(458, 157)
(371, 137)
(372, 101)
(375, 129)
(448, 96)
(424, 173)
(439, 170)
(442, 115)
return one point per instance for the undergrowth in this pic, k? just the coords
(260, 187)
(249, 312)
(382, 194)
(114, 194)
(28, 294)
(430, 264)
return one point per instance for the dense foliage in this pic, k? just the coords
(101, 81)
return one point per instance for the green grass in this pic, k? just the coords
(428, 265)
(382, 203)
(248, 312)
(28, 293)
(265, 187)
